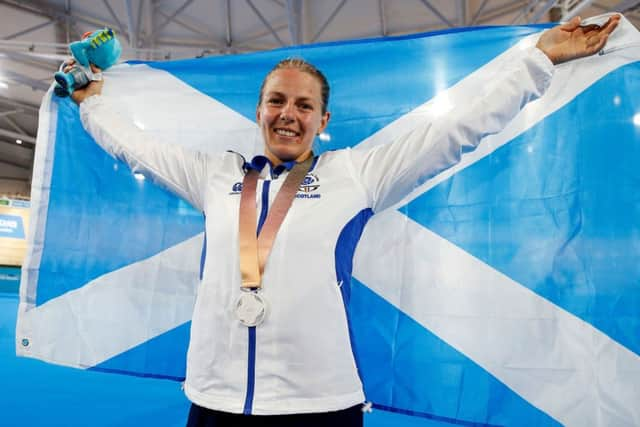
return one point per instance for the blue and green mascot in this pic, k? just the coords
(100, 48)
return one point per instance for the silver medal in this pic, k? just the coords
(251, 308)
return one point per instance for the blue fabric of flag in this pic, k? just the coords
(561, 216)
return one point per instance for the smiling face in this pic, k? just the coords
(290, 114)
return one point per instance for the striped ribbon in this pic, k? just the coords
(254, 250)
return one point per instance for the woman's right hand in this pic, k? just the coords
(93, 88)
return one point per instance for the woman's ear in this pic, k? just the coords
(324, 121)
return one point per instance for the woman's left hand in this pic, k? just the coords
(570, 40)
(93, 88)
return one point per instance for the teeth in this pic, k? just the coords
(285, 132)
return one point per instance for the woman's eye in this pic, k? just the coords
(274, 101)
(306, 106)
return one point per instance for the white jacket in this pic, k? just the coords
(300, 359)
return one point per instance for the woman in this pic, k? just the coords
(270, 340)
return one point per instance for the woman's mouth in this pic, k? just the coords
(286, 132)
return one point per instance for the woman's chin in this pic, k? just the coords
(284, 154)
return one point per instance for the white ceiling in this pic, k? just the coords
(34, 35)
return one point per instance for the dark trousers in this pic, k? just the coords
(203, 417)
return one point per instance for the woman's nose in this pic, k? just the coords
(286, 113)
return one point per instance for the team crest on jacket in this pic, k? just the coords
(236, 188)
(310, 183)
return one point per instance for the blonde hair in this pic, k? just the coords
(306, 67)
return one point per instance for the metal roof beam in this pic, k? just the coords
(26, 146)
(576, 9)
(247, 48)
(500, 9)
(21, 105)
(14, 125)
(254, 36)
(139, 23)
(294, 12)
(25, 80)
(383, 18)
(53, 12)
(9, 45)
(14, 135)
(149, 22)
(227, 8)
(265, 22)
(29, 30)
(625, 5)
(25, 8)
(57, 48)
(10, 112)
(436, 12)
(67, 26)
(131, 27)
(15, 164)
(46, 64)
(498, 12)
(14, 178)
(188, 43)
(478, 12)
(115, 17)
(628, 12)
(167, 21)
(461, 11)
(204, 45)
(542, 11)
(524, 11)
(328, 21)
(183, 24)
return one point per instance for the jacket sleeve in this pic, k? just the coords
(391, 171)
(182, 172)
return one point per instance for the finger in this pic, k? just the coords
(572, 24)
(97, 86)
(611, 25)
(599, 43)
(94, 68)
(594, 44)
(67, 64)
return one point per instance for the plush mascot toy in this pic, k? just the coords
(100, 48)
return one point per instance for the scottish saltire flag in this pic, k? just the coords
(505, 291)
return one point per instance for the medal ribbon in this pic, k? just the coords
(254, 250)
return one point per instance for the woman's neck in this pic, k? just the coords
(275, 160)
